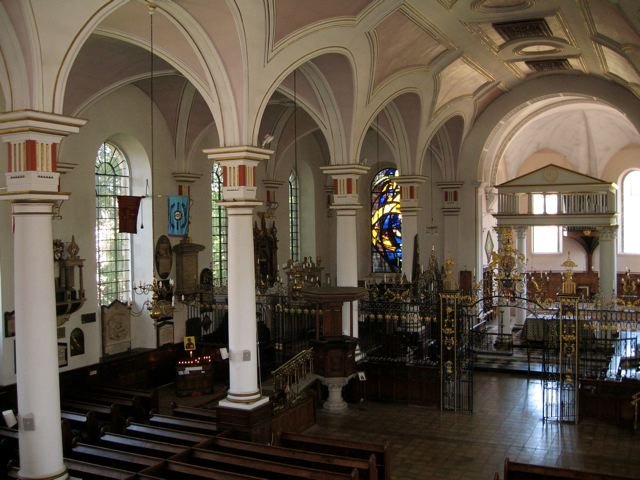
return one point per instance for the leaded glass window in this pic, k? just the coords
(294, 218)
(386, 222)
(218, 229)
(113, 249)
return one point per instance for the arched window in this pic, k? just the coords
(113, 249)
(631, 212)
(386, 222)
(294, 235)
(218, 229)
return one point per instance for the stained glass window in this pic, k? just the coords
(386, 222)
(218, 229)
(113, 249)
(294, 232)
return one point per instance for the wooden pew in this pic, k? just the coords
(133, 462)
(91, 471)
(345, 448)
(109, 416)
(147, 397)
(195, 413)
(171, 470)
(526, 471)
(151, 448)
(8, 448)
(261, 468)
(168, 435)
(129, 406)
(84, 425)
(10, 436)
(366, 468)
(184, 424)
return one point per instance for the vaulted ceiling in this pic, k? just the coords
(420, 62)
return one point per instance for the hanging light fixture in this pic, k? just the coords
(152, 8)
(295, 123)
(161, 304)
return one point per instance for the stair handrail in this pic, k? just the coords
(287, 376)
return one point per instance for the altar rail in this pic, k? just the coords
(398, 331)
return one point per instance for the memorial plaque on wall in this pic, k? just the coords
(116, 328)
(165, 333)
(187, 274)
(76, 342)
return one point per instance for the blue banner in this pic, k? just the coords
(178, 215)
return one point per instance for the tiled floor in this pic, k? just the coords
(506, 422)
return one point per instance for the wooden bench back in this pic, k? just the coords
(340, 447)
(526, 471)
(366, 468)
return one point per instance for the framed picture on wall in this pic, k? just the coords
(63, 358)
(10, 324)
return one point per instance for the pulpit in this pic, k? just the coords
(334, 353)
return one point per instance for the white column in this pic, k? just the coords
(409, 208)
(239, 195)
(33, 188)
(608, 263)
(346, 204)
(38, 388)
(347, 263)
(243, 371)
(521, 246)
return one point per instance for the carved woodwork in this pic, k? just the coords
(69, 296)
(265, 245)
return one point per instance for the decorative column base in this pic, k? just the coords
(335, 403)
(59, 476)
(246, 421)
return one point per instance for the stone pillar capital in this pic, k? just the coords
(43, 127)
(451, 197)
(409, 192)
(608, 232)
(238, 169)
(521, 231)
(33, 139)
(345, 183)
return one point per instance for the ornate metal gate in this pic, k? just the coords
(456, 360)
(560, 368)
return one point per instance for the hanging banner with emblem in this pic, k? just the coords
(178, 215)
